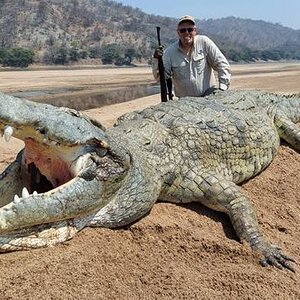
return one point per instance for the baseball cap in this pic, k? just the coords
(186, 18)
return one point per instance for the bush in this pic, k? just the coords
(2, 55)
(17, 57)
(110, 53)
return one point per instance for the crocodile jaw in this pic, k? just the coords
(64, 171)
(58, 183)
(52, 187)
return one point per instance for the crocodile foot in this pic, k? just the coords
(272, 255)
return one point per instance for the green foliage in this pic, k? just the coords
(110, 53)
(94, 52)
(248, 55)
(238, 55)
(66, 31)
(2, 54)
(83, 53)
(74, 54)
(16, 57)
(130, 54)
(60, 56)
(121, 61)
(118, 55)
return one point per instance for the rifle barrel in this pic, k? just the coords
(161, 69)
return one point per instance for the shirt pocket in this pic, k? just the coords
(180, 69)
(199, 62)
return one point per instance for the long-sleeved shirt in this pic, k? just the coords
(193, 74)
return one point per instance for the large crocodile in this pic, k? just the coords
(72, 173)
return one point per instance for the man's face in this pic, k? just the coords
(186, 32)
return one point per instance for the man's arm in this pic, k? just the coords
(219, 63)
(167, 67)
(155, 71)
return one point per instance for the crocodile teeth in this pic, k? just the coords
(16, 199)
(25, 193)
(8, 131)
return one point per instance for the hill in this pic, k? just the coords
(62, 31)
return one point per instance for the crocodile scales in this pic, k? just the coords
(74, 173)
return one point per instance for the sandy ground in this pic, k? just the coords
(101, 79)
(175, 252)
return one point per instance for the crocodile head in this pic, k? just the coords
(67, 169)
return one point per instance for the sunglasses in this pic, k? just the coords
(189, 29)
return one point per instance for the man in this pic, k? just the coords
(191, 62)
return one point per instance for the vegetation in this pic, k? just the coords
(16, 57)
(62, 32)
(248, 55)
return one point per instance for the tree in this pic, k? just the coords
(110, 53)
(42, 12)
(2, 54)
(74, 53)
(60, 55)
(94, 51)
(130, 54)
(57, 54)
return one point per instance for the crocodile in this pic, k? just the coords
(74, 173)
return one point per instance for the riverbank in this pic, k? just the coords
(87, 88)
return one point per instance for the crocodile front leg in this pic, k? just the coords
(222, 194)
(218, 193)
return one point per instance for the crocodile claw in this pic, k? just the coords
(273, 256)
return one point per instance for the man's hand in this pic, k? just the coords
(158, 52)
(223, 87)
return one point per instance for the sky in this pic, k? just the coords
(284, 12)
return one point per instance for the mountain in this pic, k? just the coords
(258, 35)
(61, 31)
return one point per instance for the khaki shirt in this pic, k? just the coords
(193, 75)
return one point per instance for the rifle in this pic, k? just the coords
(161, 70)
(169, 87)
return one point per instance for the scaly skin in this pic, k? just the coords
(193, 149)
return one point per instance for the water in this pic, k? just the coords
(38, 93)
(89, 100)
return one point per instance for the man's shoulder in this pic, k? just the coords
(202, 38)
(172, 46)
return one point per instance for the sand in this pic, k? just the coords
(175, 252)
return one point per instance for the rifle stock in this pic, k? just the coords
(161, 69)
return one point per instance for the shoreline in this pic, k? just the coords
(96, 86)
